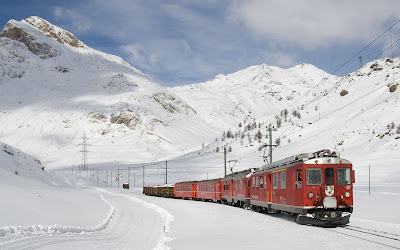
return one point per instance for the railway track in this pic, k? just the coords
(374, 236)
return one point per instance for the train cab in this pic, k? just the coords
(316, 187)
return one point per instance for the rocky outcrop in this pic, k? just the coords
(62, 36)
(13, 31)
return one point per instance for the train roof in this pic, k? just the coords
(240, 174)
(319, 157)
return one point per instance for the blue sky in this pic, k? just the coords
(191, 41)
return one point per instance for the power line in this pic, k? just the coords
(346, 105)
(361, 112)
(341, 66)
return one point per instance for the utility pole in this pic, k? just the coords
(225, 159)
(166, 172)
(118, 177)
(143, 176)
(270, 145)
(361, 64)
(84, 151)
(369, 180)
(129, 176)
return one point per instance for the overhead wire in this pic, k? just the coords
(341, 66)
(345, 121)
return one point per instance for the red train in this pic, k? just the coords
(315, 187)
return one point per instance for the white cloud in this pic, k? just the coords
(314, 23)
(139, 55)
(78, 21)
(280, 59)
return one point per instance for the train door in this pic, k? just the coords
(269, 187)
(232, 189)
(194, 191)
(246, 184)
(329, 175)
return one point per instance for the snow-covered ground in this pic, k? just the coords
(131, 220)
(67, 209)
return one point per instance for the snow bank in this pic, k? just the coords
(166, 216)
(8, 233)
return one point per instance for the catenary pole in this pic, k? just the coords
(225, 159)
(166, 172)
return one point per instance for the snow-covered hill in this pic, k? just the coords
(255, 92)
(357, 115)
(54, 88)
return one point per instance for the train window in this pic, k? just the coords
(299, 182)
(265, 182)
(283, 180)
(257, 182)
(275, 180)
(343, 175)
(329, 176)
(234, 187)
(261, 182)
(313, 176)
(254, 182)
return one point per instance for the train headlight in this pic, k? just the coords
(347, 194)
(310, 195)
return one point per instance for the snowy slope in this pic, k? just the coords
(255, 92)
(34, 202)
(54, 88)
(43, 212)
(357, 115)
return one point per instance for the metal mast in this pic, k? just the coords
(84, 152)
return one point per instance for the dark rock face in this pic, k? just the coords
(17, 33)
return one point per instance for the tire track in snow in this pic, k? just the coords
(124, 222)
(166, 216)
(15, 232)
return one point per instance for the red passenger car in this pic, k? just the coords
(185, 190)
(209, 190)
(317, 187)
(236, 189)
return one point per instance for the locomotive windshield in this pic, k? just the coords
(313, 176)
(343, 175)
(329, 176)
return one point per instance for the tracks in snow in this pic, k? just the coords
(377, 237)
(133, 225)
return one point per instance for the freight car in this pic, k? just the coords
(160, 191)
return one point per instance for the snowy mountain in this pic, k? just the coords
(356, 115)
(54, 89)
(255, 92)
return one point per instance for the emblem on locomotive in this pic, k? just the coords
(329, 190)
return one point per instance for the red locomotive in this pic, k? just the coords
(316, 187)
